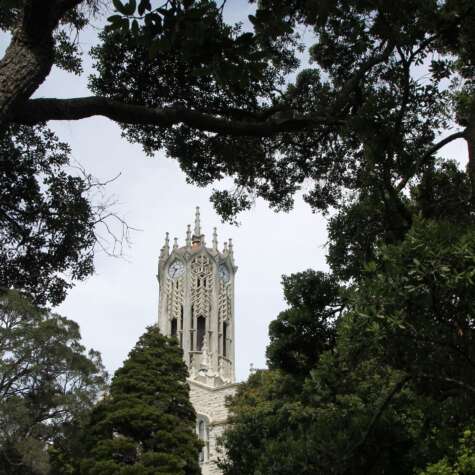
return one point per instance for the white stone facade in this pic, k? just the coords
(197, 306)
(209, 404)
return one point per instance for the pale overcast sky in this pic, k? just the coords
(114, 306)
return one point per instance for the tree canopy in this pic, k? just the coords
(47, 382)
(372, 373)
(355, 111)
(146, 424)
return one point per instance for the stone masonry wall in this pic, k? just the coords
(210, 402)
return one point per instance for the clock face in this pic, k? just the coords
(223, 272)
(176, 269)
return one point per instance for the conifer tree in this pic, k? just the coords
(146, 423)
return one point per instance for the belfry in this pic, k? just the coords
(197, 306)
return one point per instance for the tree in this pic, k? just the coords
(464, 461)
(328, 423)
(394, 390)
(441, 194)
(300, 334)
(214, 97)
(358, 124)
(46, 382)
(52, 215)
(146, 424)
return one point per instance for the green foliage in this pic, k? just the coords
(395, 388)
(385, 118)
(360, 123)
(301, 333)
(372, 365)
(183, 54)
(326, 425)
(46, 216)
(443, 193)
(146, 424)
(464, 461)
(46, 382)
(355, 232)
(421, 294)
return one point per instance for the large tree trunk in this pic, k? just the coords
(26, 64)
(30, 55)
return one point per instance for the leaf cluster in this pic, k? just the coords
(47, 220)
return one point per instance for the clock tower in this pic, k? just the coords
(197, 307)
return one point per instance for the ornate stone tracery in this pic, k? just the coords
(175, 300)
(224, 301)
(201, 285)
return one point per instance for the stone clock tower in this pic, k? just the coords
(197, 307)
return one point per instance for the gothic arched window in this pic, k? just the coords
(202, 431)
(201, 330)
(225, 338)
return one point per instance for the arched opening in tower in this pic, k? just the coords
(200, 332)
(225, 339)
(203, 436)
(173, 327)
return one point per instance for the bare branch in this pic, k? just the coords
(111, 231)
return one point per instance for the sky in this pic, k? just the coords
(115, 305)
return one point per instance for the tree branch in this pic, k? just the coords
(435, 148)
(358, 76)
(40, 110)
(387, 400)
(456, 382)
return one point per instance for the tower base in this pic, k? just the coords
(211, 418)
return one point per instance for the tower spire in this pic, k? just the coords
(188, 236)
(198, 238)
(215, 239)
(165, 250)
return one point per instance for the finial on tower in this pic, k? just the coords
(197, 222)
(215, 239)
(165, 250)
(197, 238)
(188, 236)
(225, 250)
(175, 243)
(231, 246)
